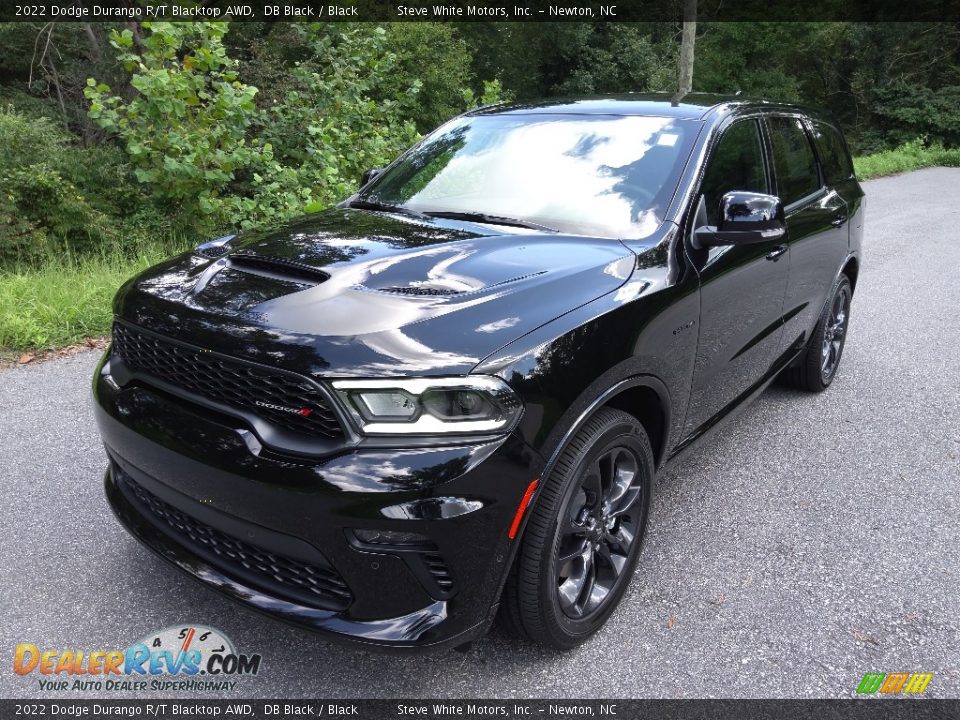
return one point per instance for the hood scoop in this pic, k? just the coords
(426, 290)
(277, 269)
(239, 282)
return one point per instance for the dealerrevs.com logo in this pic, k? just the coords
(184, 657)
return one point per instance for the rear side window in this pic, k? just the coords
(736, 164)
(793, 159)
(833, 153)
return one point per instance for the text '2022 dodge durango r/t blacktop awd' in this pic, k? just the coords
(448, 396)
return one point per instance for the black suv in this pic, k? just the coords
(450, 394)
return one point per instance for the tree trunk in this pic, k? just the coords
(92, 42)
(689, 36)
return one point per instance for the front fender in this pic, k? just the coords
(568, 368)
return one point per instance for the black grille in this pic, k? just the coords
(233, 382)
(311, 584)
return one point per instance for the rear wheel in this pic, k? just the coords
(818, 364)
(583, 538)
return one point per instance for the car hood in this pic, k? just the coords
(351, 293)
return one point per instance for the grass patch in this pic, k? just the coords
(909, 156)
(66, 299)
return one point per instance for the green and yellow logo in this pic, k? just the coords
(894, 683)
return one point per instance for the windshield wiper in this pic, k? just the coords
(490, 219)
(384, 207)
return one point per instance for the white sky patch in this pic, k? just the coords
(498, 325)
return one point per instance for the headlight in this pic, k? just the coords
(431, 406)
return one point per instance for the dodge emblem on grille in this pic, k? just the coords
(303, 412)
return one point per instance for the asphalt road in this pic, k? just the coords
(815, 539)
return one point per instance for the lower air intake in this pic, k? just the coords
(313, 584)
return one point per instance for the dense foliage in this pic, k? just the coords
(55, 194)
(115, 133)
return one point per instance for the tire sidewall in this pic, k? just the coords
(841, 285)
(630, 435)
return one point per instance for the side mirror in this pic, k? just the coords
(745, 218)
(370, 175)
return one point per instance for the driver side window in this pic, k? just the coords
(736, 164)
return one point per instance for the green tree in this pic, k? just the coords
(185, 128)
(436, 57)
(201, 143)
(761, 59)
(330, 126)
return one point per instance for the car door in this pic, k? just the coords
(817, 227)
(741, 286)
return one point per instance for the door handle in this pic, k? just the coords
(839, 220)
(776, 252)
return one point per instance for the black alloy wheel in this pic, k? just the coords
(834, 332)
(817, 365)
(584, 534)
(599, 531)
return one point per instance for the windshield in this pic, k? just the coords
(594, 175)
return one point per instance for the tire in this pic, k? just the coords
(818, 363)
(595, 499)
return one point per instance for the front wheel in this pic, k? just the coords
(818, 364)
(584, 534)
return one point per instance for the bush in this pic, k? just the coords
(185, 129)
(909, 156)
(44, 190)
(58, 197)
(910, 111)
(203, 148)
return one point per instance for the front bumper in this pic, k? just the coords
(279, 534)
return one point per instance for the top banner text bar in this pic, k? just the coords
(457, 11)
